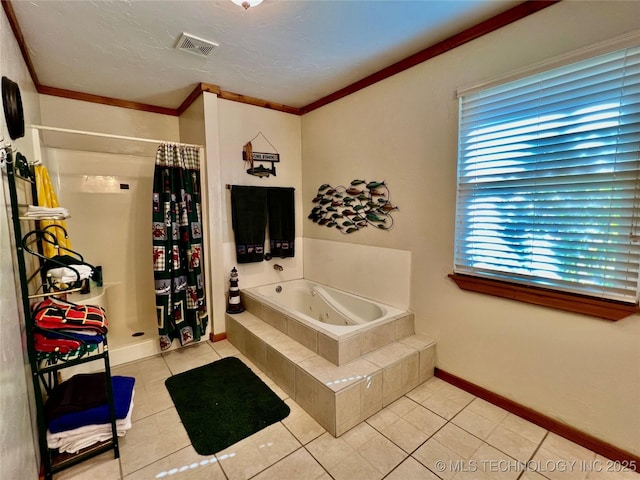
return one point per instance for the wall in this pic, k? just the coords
(94, 117)
(577, 369)
(17, 450)
(198, 125)
(110, 227)
(232, 125)
(381, 274)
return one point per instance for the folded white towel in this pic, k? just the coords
(68, 275)
(36, 211)
(40, 209)
(74, 440)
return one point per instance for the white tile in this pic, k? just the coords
(405, 435)
(225, 348)
(149, 370)
(410, 469)
(425, 420)
(474, 423)
(354, 468)
(441, 398)
(512, 444)
(456, 439)
(443, 406)
(102, 467)
(524, 428)
(360, 435)
(383, 454)
(487, 410)
(301, 424)
(402, 406)
(406, 423)
(250, 456)
(300, 465)
(566, 448)
(496, 464)
(151, 439)
(438, 458)
(329, 450)
(184, 464)
(382, 419)
(531, 475)
(187, 358)
(426, 389)
(556, 467)
(150, 398)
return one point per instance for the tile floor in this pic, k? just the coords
(436, 431)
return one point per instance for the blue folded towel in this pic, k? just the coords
(122, 395)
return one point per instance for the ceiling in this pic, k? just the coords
(289, 52)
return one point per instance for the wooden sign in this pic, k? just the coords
(265, 157)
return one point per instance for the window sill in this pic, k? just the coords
(595, 307)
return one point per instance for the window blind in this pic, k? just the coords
(548, 179)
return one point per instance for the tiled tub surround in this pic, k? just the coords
(371, 324)
(337, 397)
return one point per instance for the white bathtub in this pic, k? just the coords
(333, 312)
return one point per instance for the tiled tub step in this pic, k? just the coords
(338, 351)
(337, 397)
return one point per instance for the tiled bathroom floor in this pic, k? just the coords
(436, 431)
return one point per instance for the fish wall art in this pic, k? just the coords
(348, 209)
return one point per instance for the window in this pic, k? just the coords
(549, 180)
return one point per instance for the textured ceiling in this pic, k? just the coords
(290, 52)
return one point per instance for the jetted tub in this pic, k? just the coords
(333, 312)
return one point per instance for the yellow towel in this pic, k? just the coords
(47, 198)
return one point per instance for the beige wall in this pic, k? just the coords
(577, 369)
(94, 117)
(231, 125)
(17, 451)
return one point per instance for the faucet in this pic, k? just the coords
(278, 267)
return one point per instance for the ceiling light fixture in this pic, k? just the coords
(246, 4)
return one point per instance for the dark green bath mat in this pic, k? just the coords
(222, 403)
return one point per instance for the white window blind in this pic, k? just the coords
(548, 179)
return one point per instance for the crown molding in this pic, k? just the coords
(505, 18)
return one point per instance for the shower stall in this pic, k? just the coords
(106, 184)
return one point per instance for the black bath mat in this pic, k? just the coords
(223, 402)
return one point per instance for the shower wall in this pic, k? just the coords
(109, 199)
(109, 225)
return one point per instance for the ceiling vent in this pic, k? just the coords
(195, 45)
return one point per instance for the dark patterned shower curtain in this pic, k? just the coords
(177, 245)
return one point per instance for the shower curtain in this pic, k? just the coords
(177, 245)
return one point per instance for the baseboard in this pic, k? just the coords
(600, 447)
(216, 337)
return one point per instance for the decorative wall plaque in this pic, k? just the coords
(351, 208)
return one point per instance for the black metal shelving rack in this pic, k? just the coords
(44, 367)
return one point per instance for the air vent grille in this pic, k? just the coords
(195, 45)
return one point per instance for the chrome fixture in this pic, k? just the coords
(246, 4)
(278, 267)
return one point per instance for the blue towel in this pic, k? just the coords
(122, 395)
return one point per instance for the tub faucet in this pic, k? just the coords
(278, 267)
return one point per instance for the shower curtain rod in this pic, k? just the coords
(109, 135)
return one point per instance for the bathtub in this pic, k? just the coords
(335, 313)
